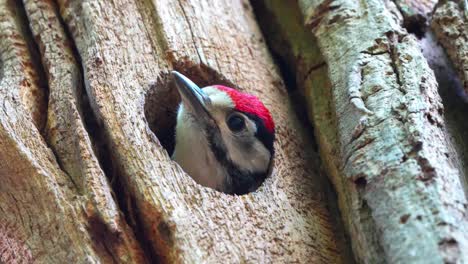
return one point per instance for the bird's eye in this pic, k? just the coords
(236, 123)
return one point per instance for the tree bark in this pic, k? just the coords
(85, 179)
(379, 123)
(57, 204)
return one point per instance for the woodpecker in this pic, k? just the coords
(223, 137)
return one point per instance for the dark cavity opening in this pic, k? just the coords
(361, 182)
(162, 100)
(416, 25)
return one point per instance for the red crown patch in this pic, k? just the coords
(250, 104)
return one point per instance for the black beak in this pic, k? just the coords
(193, 98)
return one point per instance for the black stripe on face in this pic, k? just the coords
(262, 134)
(239, 182)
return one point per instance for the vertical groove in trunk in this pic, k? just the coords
(416, 15)
(37, 198)
(454, 100)
(69, 139)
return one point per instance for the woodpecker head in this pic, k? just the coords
(224, 138)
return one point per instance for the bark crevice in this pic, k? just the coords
(40, 97)
(454, 100)
(416, 15)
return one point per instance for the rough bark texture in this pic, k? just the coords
(413, 7)
(79, 93)
(450, 24)
(379, 123)
(12, 248)
(59, 206)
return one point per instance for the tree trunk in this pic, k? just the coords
(380, 126)
(87, 121)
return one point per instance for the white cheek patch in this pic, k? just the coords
(254, 158)
(193, 154)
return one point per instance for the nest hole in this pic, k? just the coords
(162, 101)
